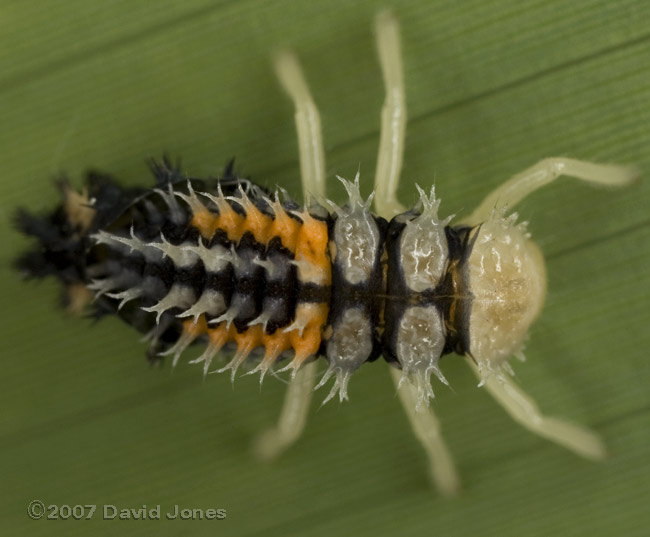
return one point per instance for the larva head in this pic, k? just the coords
(507, 278)
(62, 243)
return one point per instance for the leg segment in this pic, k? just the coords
(310, 140)
(427, 430)
(524, 410)
(544, 172)
(272, 442)
(293, 416)
(393, 118)
(389, 165)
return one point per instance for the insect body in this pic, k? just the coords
(229, 264)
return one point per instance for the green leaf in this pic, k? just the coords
(492, 87)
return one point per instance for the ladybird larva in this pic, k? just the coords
(226, 263)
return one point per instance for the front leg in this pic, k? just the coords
(308, 127)
(293, 416)
(274, 441)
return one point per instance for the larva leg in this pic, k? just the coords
(293, 416)
(427, 430)
(310, 140)
(544, 172)
(393, 118)
(272, 442)
(389, 165)
(525, 411)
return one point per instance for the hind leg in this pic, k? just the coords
(544, 172)
(393, 118)
(519, 405)
(525, 411)
(293, 415)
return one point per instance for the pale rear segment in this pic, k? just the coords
(507, 279)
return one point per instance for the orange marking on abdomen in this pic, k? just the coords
(221, 335)
(195, 329)
(228, 219)
(275, 344)
(284, 227)
(205, 222)
(248, 339)
(257, 223)
(311, 255)
(308, 343)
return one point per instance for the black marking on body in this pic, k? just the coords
(451, 297)
(383, 297)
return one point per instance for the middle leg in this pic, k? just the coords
(389, 165)
(427, 430)
(393, 118)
